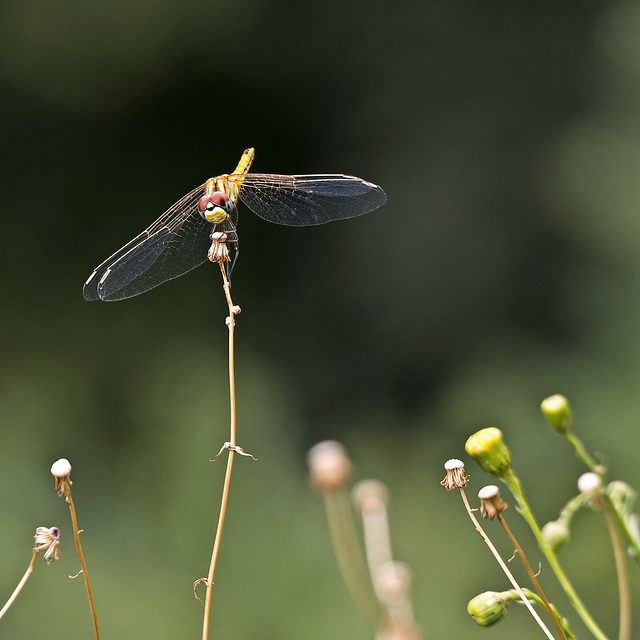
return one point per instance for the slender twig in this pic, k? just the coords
(503, 566)
(231, 446)
(21, 584)
(85, 574)
(532, 576)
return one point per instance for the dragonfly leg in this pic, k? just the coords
(232, 263)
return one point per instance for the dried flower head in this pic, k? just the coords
(218, 251)
(329, 466)
(61, 470)
(491, 504)
(455, 478)
(487, 448)
(49, 539)
(557, 412)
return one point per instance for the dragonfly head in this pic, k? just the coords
(215, 208)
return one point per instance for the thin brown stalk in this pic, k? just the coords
(21, 584)
(532, 576)
(231, 446)
(85, 574)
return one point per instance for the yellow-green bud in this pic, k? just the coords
(487, 608)
(557, 412)
(489, 451)
(555, 534)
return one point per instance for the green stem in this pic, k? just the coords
(622, 523)
(561, 621)
(581, 452)
(623, 576)
(513, 483)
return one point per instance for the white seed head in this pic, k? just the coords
(61, 468)
(454, 463)
(488, 492)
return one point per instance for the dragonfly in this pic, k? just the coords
(181, 238)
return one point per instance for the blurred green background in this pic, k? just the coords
(504, 267)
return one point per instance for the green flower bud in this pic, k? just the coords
(489, 451)
(487, 608)
(555, 534)
(557, 412)
(622, 496)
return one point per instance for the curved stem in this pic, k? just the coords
(619, 554)
(513, 483)
(83, 565)
(21, 584)
(231, 447)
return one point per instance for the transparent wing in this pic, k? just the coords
(175, 243)
(308, 199)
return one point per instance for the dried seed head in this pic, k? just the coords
(49, 539)
(455, 478)
(329, 466)
(218, 251)
(487, 448)
(491, 504)
(60, 470)
(557, 412)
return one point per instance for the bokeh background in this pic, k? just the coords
(505, 267)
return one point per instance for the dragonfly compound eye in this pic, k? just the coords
(214, 208)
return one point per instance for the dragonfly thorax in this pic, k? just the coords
(215, 208)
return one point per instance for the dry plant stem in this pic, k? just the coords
(21, 584)
(503, 566)
(534, 580)
(83, 565)
(623, 576)
(227, 476)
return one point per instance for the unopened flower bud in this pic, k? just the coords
(557, 412)
(555, 534)
(622, 495)
(489, 451)
(588, 482)
(487, 608)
